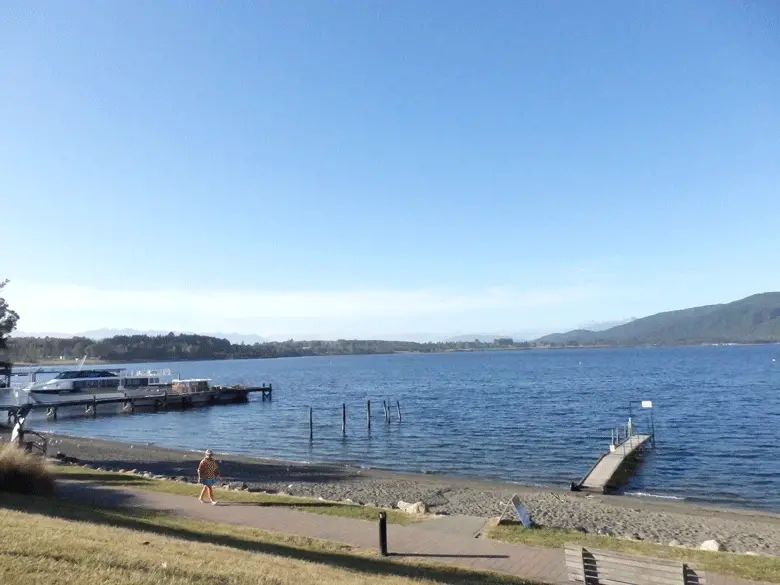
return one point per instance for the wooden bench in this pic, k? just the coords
(590, 566)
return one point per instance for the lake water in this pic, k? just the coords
(533, 417)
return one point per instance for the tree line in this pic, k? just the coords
(180, 347)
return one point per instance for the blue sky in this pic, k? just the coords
(333, 168)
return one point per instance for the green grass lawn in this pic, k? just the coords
(189, 489)
(50, 540)
(754, 568)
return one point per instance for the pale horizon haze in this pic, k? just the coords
(380, 169)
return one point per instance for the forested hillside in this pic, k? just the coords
(755, 319)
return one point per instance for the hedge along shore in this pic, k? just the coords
(660, 521)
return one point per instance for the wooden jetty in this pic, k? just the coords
(153, 401)
(265, 390)
(617, 464)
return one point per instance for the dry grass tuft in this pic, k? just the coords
(24, 473)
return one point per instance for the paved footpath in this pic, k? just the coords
(423, 541)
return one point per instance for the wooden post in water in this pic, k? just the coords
(311, 425)
(368, 414)
(343, 419)
(387, 411)
(398, 406)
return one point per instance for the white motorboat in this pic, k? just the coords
(98, 383)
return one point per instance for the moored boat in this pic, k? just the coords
(198, 390)
(99, 384)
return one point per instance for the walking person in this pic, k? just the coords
(208, 472)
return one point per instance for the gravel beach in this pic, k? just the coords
(660, 521)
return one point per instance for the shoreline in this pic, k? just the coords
(646, 518)
(480, 482)
(103, 361)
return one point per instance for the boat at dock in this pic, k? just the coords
(199, 390)
(114, 390)
(100, 384)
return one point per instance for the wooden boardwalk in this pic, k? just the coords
(154, 400)
(607, 472)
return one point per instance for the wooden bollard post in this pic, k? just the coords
(398, 406)
(311, 425)
(343, 419)
(368, 414)
(383, 533)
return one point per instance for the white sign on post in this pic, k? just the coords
(647, 404)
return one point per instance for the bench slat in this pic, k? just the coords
(614, 557)
(642, 570)
(613, 582)
(649, 571)
(636, 577)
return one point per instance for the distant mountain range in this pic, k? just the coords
(604, 325)
(754, 319)
(484, 337)
(530, 335)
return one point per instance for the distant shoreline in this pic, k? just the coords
(100, 361)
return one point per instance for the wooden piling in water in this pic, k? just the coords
(368, 414)
(343, 419)
(398, 406)
(311, 425)
(387, 411)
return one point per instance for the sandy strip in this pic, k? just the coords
(660, 521)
